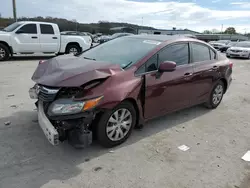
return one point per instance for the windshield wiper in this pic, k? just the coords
(89, 58)
(126, 66)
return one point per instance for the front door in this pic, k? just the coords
(26, 39)
(168, 91)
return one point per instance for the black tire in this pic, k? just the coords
(4, 52)
(73, 46)
(101, 134)
(211, 104)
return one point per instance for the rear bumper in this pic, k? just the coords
(47, 127)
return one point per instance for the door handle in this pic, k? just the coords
(188, 74)
(34, 37)
(215, 67)
(54, 37)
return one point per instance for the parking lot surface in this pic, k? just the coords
(150, 158)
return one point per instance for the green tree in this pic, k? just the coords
(207, 32)
(230, 30)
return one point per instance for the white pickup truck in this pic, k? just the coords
(39, 38)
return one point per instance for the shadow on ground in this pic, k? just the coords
(28, 160)
(27, 58)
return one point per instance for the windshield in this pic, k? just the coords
(243, 44)
(12, 27)
(123, 51)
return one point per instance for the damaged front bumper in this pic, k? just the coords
(74, 127)
(49, 130)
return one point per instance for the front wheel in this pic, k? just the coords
(216, 95)
(114, 127)
(4, 52)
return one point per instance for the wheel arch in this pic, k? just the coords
(73, 43)
(8, 46)
(224, 81)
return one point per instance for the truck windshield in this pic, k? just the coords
(12, 27)
(124, 51)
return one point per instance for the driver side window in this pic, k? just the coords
(178, 53)
(29, 29)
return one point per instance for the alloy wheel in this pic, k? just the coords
(217, 94)
(119, 124)
(73, 51)
(2, 53)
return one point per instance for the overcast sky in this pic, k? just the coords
(196, 15)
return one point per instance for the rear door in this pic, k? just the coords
(26, 39)
(205, 71)
(49, 39)
(168, 91)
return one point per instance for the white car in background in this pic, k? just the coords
(39, 38)
(241, 49)
(219, 44)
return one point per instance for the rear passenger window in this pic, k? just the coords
(29, 29)
(46, 29)
(178, 53)
(200, 53)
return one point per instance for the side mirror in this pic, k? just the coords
(19, 31)
(167, 66)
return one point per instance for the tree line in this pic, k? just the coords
(100, 27)
(71, 25)
(229, 30)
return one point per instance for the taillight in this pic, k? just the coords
(231, 64)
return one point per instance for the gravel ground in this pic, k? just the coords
(150, 158)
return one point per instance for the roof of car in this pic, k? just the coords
(157, 37)
(22, 22)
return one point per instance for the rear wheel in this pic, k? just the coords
(4, 52)
(114, 127)
(73, 49)
(216, 95)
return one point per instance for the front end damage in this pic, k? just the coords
(62, 117)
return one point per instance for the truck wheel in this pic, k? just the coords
(4, 52)
(115, 126)
(73, 49)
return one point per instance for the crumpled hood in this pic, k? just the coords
(71, 71)
(239, 48)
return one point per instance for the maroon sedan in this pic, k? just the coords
(111, 88)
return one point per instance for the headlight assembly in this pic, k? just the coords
(68, 107)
